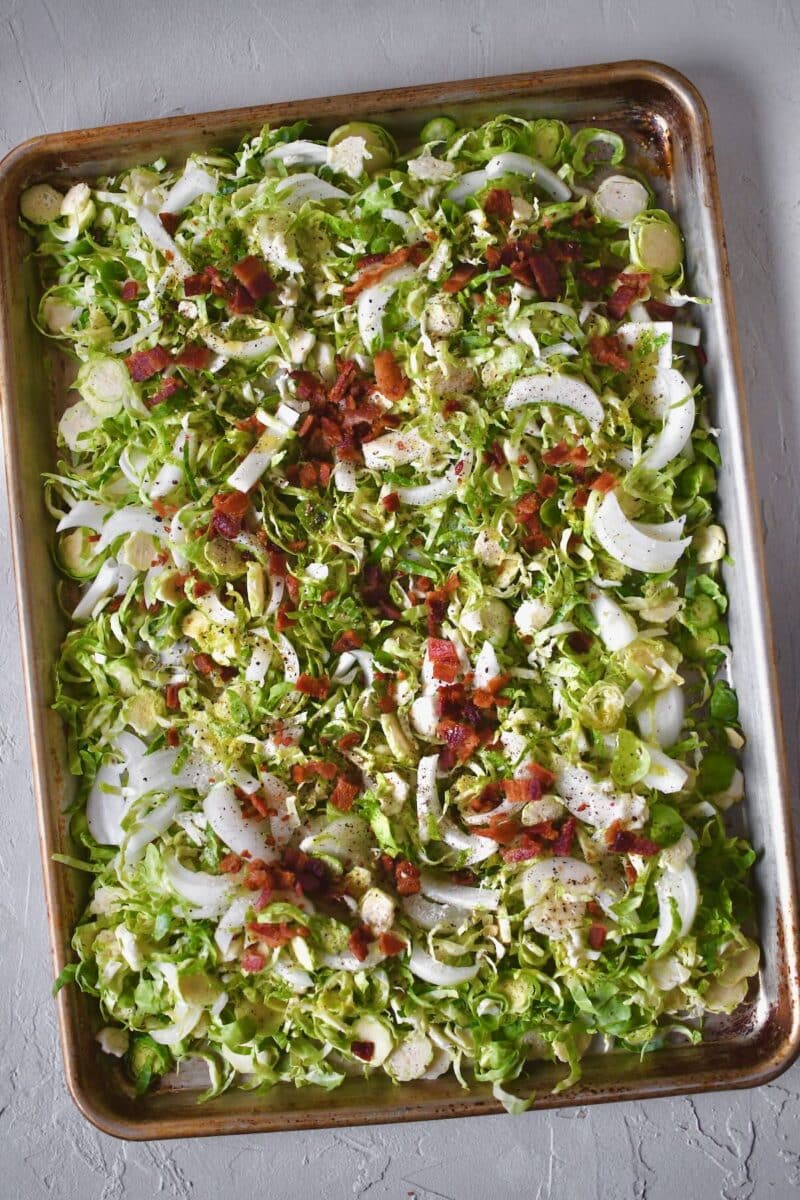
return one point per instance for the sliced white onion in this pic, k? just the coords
(680, 886)
(562, 390)
(239, 833)
(576, 880)
(487, 666)
(186, 1017)
(104, 584)
(277, 588)
(394, 449)
(106, 808)
(298, 979)
(131, 519)
(193, 182)
(348, 962)
(438, 489)
(660, 719)
(348, 838)
(467, 185)
(687, 335)
(429, 915)
(364, 660)
(214, 609)
(401, 219)
(593, 801)
(157, 235)
(447, 892)
(199, 887)
(637, 546)
(476, 849)
(295, 190)
(665, 774)
(258, 347)
(371, 304)
(231, 922)
(300, 154)
(437, 973)
(678, 423)
(148, 828)
(523, 164)
(259, 664)
(125, 344)
(344, 477)
(425, 714)
(291, 663)
(429, 808)
(631, 332)
(617, 627)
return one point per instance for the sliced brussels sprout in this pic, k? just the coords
(438, 129)
(41, 204)
(379, 144)
(656, 243)
(105, 385)
(76, 554)
(620, 199)
(588, 139)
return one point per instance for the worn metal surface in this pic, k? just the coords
(721, 1151)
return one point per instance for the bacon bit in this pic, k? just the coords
(522, 791)
(631, 874)
(391, 945)
(459, 277)
(547, 486)
(325, 770)
(624, 841)
(195, 357)
(344, 794)
(240, 302)
(597, 936)
(580, 498)
(129, 290)
(252, 962)
(170, 221)
(498, 203)
(566, 836)
(282, 620)
(348, 742)
(374, 272)
(374, 589)
(597, 277)
(444, 657)
(173, 738)
(349, 640)
(358, 942)
(219, 286)
(391, 502)
(489, 798)
(310, 686)
(391, 381)
(526, 848)
(634, 286)
(546, 276)
(579, 642)
(609, 352)
(503, 830)
(495, 456)
(276, 934)
(292, 587)
(661, 312)
(494, 258)
(406, 878)
(143, 364)
(172, 695)
(204, 664)
(561, 453)
(197, 285)
(606, 482)
(458, 737)
(254, 276)
(363, 1050)
(329, 596)
(169, 387)
(231, 864)
(562, 250)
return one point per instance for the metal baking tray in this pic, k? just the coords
(666, 126)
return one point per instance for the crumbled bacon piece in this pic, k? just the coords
(205, 664)
(252, 962)
(254, 276)
(547, 486)
(579, 642)
(605, 482)
(521, 791)
(344, 794)
(391, 502)
(391, 381)
(168, 388)
(229, 512)
(561, 454)
(597, 936)
(323, 770)
(170, 221)
(358, 942)
(566, 836)
(375, 592)
(503, 830)
(231, 864)
(562, 250)
(278, 933)
(198, 284)
(349, 640)
(458, 737)
(129, 290)
(459, 277)
(316, 686)
(391, 945)
(144, 364)
(598, 277)
(489, 798)
(172, 694)
(194, 357)
(546, 276)
(313, 876)
(406, 878)
(219, 286)
(527, 847)
(625, 841)
(374, 272)
(444, 657)
(661, 312)
(363, 1050)
(173, 738)
(240, 302)
(498, 203)
(348, 742)
(632, 289)
(609, 352)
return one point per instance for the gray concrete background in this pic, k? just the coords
(65, 64)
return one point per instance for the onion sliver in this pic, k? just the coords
(678, 423)
(300, 154)
(198, 887)
(429, 915)
(577, 880)
(157, 235)
(665, 774)
(563, 390)
(295, 190)
(467, 185)
(193, 182)
(487, 666)
(86, 514)
(660, 717)
(148, 828)
(258, 347)
(595, 802)
(237, 832)
(372, 302)
(106, 808)
(522, 164)
(457, 894)
(680, 886)
(617, 627)
(437, 973)
(429, 809)
(635, 546)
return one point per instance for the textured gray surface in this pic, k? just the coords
(66, 64)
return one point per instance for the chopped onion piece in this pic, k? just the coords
(105, 806)
(148, 828)
(446, 892)
(157, 235)
(131, 519)
(437, 973)
(595, 802)
(239, 833)
(467, 185)
(193, 182)
(660, 719)
(617, 627)
(665, 774)
(429, 809)
(199, 887)
(576, 880)
(258, 347)
(429, 915)
(678, 422)
(680, 886)
(295, 190)
(522, 164)
(636, 546)
(291, 663)
(371, 304)
(487, 667)
(300, 154)
(563, 390)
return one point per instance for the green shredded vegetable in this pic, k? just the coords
(395, 673)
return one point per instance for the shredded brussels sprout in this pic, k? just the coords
(394, 676)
